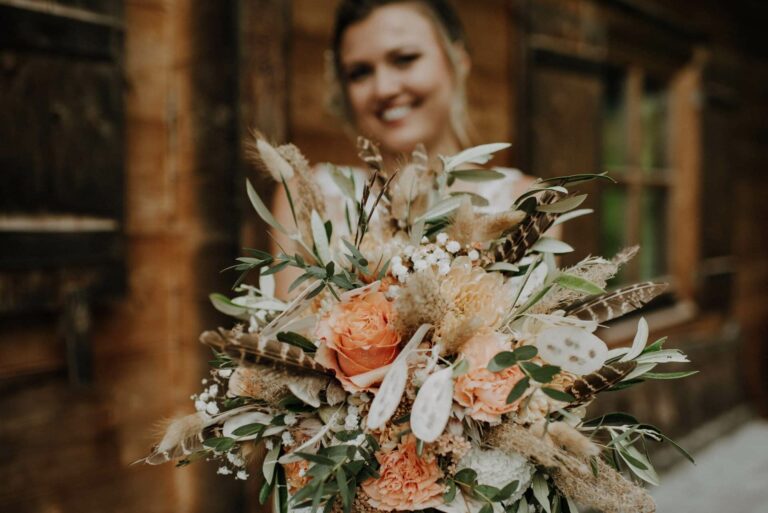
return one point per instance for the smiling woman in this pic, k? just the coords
(399, 70)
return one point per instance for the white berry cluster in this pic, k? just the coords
(438, 255)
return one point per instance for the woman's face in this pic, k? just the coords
(399, 82)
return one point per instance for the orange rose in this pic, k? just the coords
(296, 475)
(406, 480)
(483, 392)
(358, 340)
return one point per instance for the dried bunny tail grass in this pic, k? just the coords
(469, 226)
(598, 270)
(494, 226)
(608, 491)
(419, 302)
(267, 159)
(570, 439)
(454, 331)
(464, 224)
(305, 192)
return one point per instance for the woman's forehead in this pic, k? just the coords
(387, 28)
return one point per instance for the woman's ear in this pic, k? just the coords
(464, 61)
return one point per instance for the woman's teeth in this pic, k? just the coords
(396, 113)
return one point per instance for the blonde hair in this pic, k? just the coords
(452, 40)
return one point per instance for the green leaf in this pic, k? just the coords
(450, 492)
(223, 304)
(503, 267)
(542, 374)
(249, 429)
(297, 340)
(549, 245)
(573, 214)
(624, 384)
(343, 182)
(572, 508)
(321, 239)
(578, 178)
(486, 492)
(524, 353)
(262, 209)
(475, 155)
(682, 451)
(656, 346)
(579, 284)
(518, 390)
(275, 268)
(669, 375)
(558, 395)
(220, 444)
(562, 206)
(314, 458)
(465, 476)
(501, 361)
(266, 489)
(487, 508)
(475, 199)
(611, 419)
(506, 492)
(477, 175)
(461, 367)
(541, 491)
(270, 463)
(346, 496)
(441, 208)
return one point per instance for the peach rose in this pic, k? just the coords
(483, 392)
(296, 475)
(358, 340)
(406, 480)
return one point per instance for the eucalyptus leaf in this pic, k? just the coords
(475, 199)
(297, 340)
(573, 214)
(475, 155)
(542, 374)
(550, 245)
(477, 175)
(558, 395)
(669, 375)
(524, 353)
(222, 303)
(320, 237)
(518, 390)
(579, 284)
(270, 462)
(503, 266)
(262, 209)
(441, 208)
(344, 182)
(501, 361)
(541, 491)
(562, 206)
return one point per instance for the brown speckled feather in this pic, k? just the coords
(589, 385)
(617, 303)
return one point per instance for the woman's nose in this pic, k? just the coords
(387, 83)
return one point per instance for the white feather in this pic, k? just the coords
(393, 385)
(432, 406)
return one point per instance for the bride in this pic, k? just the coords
(400, 69)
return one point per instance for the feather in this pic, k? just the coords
(252, 348)
(586, 387)
(514, 246)
(432, 407)
(615, 304)
(294, 308)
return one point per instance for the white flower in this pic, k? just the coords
(444, 268)
(290, 419)
(408, 250)
(497, 468)
(211, 408)
(242, 475)
(396, 260)
(431, 259)
(287, 438)
(235, 459)
(200, 405)
(269, 444)
(224, 471)
(442, 237)
(204, 381)
(452, 246)
(473, 255)
(225, 373)
(213, 390)
(425, 240)
(420, 265)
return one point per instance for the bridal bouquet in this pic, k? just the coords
(433, 356)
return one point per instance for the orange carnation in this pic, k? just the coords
(358, 340)
(406, 480)
(483, 392)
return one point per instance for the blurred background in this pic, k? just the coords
(122, 127)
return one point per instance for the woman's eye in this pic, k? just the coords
(357, 73)
(406, 59)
